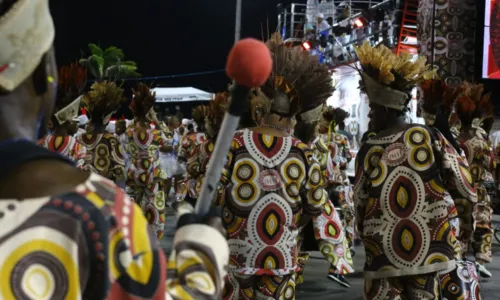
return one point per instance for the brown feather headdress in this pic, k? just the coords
(71, 84)
(437, 94)
(103, 99)
(473, 103)
(143, 101)
(199, 114)
(216, 111)
(298, 82)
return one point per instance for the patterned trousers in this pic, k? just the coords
(244, 287)
(151, 199)
(422, 287)
(483, 235)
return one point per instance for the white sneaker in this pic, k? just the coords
(481, 269)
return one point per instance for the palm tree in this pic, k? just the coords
(108, 63)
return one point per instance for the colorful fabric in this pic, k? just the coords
(329, 230)
(402, 205)
(245, 287)
(482, 163)
(146, 177)
(269, 182)
(422, 287)
(104, 155)
(189, 151)
(94, 243)
(461, 283)
(65, 145)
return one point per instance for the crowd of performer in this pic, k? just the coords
(86, 210)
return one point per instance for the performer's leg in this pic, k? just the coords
(483, 236)
(159, 206)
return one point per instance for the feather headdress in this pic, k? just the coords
(144, 99)
(72, 81)
(199, 114)
(437, 94)
(473, 103)
(387, 78)
(298, 82)
(103, 99)
(216, 111)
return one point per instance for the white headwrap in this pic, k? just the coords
(26, 34)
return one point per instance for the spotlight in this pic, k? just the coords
(358, 23)
(306, 46)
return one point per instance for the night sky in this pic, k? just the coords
(164, 37)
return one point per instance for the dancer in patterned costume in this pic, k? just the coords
(273, 183)
(75, 235)
(339, 187)
(328, 228)
(474, 105)
(213, 121)
(436, 104)
(189, 155)
(146, 178)
(401, 202)
(71, 84)
(104, 151)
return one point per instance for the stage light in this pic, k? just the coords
(306, 46)
(358, 23)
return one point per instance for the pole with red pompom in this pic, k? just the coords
(249, 64)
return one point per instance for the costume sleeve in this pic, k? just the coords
(80, 152)
(137, 264)
(117, 160)
(360, 193)
(197, 266)
(455, 170)
(159, 138)
(457, 180)
(313, 194)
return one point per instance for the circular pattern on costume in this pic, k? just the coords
(416, 136)
(421, 158)
(245, 190)
(37, 268)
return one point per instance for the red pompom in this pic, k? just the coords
(83, 111)
(249, 63)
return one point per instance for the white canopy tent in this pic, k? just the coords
(181, 94)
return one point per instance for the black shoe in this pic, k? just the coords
(340, 279)
(483, 272)
(353, 252)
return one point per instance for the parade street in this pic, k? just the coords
(317, 286)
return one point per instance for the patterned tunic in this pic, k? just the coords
(94, 243)
(402, 204)
(65, 145)
(189, 153)
(104, 155)
(329, 230)
(145, 175)
(269, 183)
(482, 164)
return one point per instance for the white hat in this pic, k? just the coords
(82, 120)
(27, 33)
(185, 122)
(320, 15)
